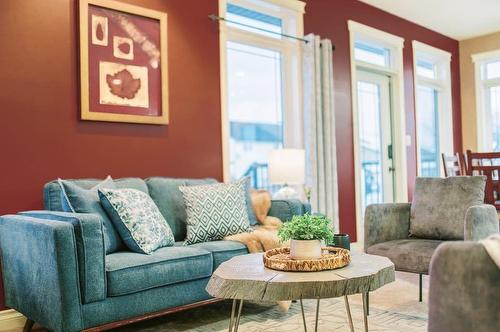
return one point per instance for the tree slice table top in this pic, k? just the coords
(245, 277)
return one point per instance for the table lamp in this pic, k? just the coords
(286, 167)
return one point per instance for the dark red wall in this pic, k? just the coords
(328, 19)
(41, 136)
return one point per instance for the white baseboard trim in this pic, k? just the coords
(11, 319)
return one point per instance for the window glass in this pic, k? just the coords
(255, 109)
(428, 130)
(253, 21)
(493, 103)
(426, 69)
(493, 70)
(371, 53)
(370, 142)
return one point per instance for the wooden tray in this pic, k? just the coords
(332, 258)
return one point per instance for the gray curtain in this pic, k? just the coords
(319, 127)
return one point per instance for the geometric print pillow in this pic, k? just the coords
(215, 211)
(137, 219)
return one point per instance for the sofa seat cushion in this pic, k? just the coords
(129, 272)
(409, 255)
(221, 250)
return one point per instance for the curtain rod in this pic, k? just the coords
(214, 18)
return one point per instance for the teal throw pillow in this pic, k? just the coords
(137, 219)
(215, 211)
(80, 200)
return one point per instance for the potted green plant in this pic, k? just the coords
(306, 234)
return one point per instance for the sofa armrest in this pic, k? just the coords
(480, 222)
(90, 249)
(464, 289)
(285, 209)
(386, 222)
(40, 271)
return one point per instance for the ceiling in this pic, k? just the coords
(458, 19)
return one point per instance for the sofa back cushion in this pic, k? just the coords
(167, 196)
(440, 204)
(53, 198)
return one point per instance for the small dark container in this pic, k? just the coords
(342, 241)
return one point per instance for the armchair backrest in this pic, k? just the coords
(440, 204)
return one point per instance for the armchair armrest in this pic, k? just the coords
(480, 222)
(40, 271)
(89, 247)
(386, 222)
(285, 209)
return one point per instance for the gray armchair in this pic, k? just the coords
(442, 210)
(464, 289)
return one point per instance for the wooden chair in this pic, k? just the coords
(454, 165)
(487, 164)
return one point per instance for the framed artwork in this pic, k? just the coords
(123, 63)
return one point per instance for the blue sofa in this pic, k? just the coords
(56, 271)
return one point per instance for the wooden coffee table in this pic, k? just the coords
(245, 278)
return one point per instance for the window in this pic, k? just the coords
(259, 83)
(372, 53)
(426, 69)
(433, 107)
(488, 100)
(255, 106)
(253, 21)
(492, 70)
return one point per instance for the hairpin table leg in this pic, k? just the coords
(317, 316)
(237, 324)
(231, 321)
(303, 315)
(349, 316)
(365, 312)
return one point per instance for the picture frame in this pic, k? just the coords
(123, 63)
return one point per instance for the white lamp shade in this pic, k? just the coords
(286, 166)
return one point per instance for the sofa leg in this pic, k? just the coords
(420, 287)
(28, 325)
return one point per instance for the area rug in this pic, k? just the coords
(394, 307)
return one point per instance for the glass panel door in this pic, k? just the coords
(375, 138)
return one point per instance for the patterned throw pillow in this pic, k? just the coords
(215, 211)
(137, 219)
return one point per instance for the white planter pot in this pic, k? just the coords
(305, 249)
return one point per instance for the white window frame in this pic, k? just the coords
(442, 83)
(291, 12)
(479, 60)
(395, 44)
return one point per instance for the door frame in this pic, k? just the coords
(396, 74)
